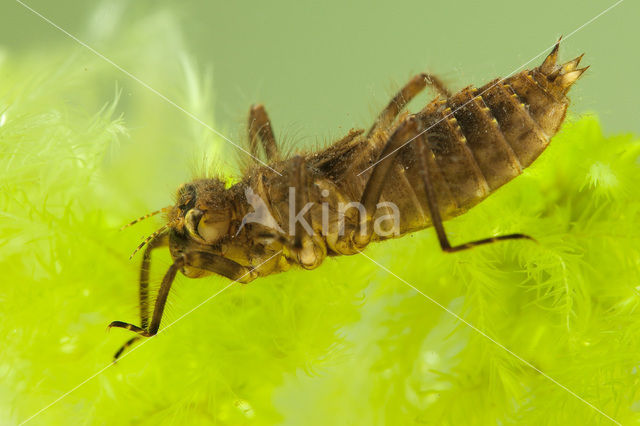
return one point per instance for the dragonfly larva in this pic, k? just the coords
(408, 172)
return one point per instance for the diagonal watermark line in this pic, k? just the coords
(97, 373)
(500, 345)
(133, 77)
(492, 86)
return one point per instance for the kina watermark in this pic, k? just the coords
(327, 217)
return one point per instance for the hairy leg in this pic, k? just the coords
(438, 85)
(260, 129)
(358, 232)
(404, 96)
(201, 260)
(308, 248)
(143, 292)
(143, 289)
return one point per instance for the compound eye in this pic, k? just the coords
(186, 197)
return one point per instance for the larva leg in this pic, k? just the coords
(438, 85)
(143, 289)
(199, 260)
(260, 128)
(404, 96)
(161, 300)
(143, 292)
(434, 209)
(360, 233)
(124, 347)
(308, 249)
(297, 184)
(221, 266)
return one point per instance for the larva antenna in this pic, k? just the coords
(150, 237)
(146, 216)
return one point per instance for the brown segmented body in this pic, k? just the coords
(480, 138)
(431, 166)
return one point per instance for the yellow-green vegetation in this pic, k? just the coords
(348, 343)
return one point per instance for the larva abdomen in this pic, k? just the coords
(492, 152)
(481, 138)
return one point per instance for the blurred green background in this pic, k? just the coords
(320, 68)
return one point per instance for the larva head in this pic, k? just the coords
(561, 77)
(202, 212)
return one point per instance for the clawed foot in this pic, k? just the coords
(120, 324)
(126, 325)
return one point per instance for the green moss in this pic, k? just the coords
(345, 344)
